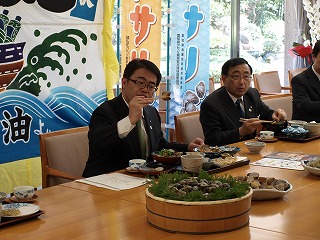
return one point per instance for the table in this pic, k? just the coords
(78, 211)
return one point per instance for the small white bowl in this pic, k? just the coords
(23, 192)
(312, 170)
(255, 146)
(136, 163)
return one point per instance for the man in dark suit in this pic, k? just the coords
(113, 134)
(306, 90)
(221, 111)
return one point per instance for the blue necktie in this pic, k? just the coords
(240, 111)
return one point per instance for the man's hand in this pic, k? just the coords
(135, 107)
(279, 115)
(195, 144)
(249, 126)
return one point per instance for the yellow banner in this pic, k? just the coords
(22, 172)
(141, 31)
(110, 61)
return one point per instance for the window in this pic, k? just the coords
(261, 35)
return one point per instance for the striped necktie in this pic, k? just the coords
(142, 138)
(240, 110)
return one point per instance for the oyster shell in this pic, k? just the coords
(257, 182)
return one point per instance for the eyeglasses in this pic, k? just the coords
(237, 77)
(141, 84)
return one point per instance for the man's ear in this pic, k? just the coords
(223, 78)
(124, 81)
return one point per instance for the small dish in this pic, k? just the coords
(208, 151)
(268, 194)
(229, 149)
(24, 208)
(215, 152)
(170, 160)
(268, 140)
(151, 171)
(14, 199)
(312, 170)
(222, 162)
(132, 170)
(266, 188)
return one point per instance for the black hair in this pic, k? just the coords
(316, 49)
(232, 63)
(137, 63)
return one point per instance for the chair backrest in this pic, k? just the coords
(64, 154)
(267, 82)
(162, 103)
(211, 85)
(188, 126)
(294, 72)
(283, 101)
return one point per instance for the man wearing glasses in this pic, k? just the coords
(127, 127)
(222, 110)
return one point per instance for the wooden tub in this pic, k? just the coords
(198, 217)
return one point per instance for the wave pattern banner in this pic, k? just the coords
(189, 80)
(51, 70)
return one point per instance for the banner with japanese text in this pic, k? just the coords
(52, 72)
(140, 31)
(190, 36)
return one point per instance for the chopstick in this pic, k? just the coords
(263, 121)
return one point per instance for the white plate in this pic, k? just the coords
(312, 170)
(268, 194)
(24, 208)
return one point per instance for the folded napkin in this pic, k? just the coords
(114, 181)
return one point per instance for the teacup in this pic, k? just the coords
(23, 193)
(136, 163)
(192, 163)
(266, 135)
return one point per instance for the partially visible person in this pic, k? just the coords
(306, 90)
(219, 114)
(113, 130)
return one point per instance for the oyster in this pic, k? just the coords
(201, 89)
(257, 182)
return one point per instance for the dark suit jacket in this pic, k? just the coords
(306, 96)
(220, 119)
(107, 151)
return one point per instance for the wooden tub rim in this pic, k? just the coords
(199, 203)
